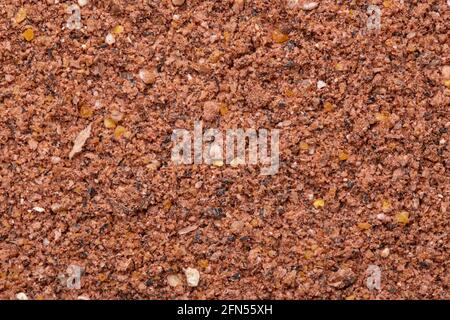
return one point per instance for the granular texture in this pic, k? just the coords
(363, 184)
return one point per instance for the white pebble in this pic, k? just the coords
(321, 84)
(39, 209)
(82, 3)
(381, 216)
(21, 296)
(310, 6)
(385, 252)
(110, 39)
(192, 277)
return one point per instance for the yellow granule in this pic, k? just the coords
(28, 34)
(319, 203)
(279, 37)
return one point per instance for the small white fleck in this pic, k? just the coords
(38, 209)
(213, 38)
(21, 296)
(82, 3)
(321, 84)
(310, 6)
(46, 242)
(110, 39)
(385, 252)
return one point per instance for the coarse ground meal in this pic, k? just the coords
(364, 179)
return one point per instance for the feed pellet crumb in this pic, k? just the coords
(91, 91)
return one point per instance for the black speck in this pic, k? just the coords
(221, 192)
(83, 255)
(216, 213)
(350, 184)
(198, 237)
(235, 277)
(289, 64)
(91, 192)
(291, 45)
(149, 282)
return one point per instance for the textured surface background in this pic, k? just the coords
(116, 207)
